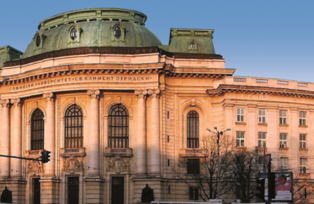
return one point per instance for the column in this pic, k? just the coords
(141, 130)
(251, 135)
(155, 134)
(50, 134)
(93, 148)
(16, 142)
(5, 138)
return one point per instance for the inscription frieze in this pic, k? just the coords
(84, 79)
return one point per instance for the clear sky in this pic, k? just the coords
(259, 38)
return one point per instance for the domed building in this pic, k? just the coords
(117, 110)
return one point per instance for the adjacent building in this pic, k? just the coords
(117, 109)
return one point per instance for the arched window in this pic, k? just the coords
(192, 129)
(118, 127)
(74, 127)
(37, 130)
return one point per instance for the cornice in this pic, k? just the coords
(225, 88)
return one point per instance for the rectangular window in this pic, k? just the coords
(167, 138)
(193, 193)
(303, 165)
(302, 141)
(262, 115)
(262, 139)
(284, 163)
(168, 162)
(169, 189)
(240, 139)
(302, 119)
(240, 114)
(193, 166)
(283, 140)
(282, 117)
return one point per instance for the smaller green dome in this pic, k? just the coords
(92, 28)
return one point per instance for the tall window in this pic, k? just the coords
(303, 165)
(240, 139)
(118, 127)
(193, 193)
(37, 130)
(193, 166)
(284, 163)
(262, 115)
(192, 128)
(240, 114)
(302, 119)
(74, 127)
(283, 140)
(302, 141)
(262, 139)
(282, 117)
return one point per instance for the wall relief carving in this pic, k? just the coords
(118, 165)
(72, 165)
(35, 168)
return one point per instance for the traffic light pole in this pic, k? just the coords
(19, 157)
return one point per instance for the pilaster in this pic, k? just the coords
(16, 139)
(5, 138)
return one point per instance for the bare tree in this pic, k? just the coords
(204, 176)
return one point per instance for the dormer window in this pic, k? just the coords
(192, 45)
(38, 40)
(73, 33)
(117, 31)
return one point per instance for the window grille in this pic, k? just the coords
(302, 141)
(239, 79)
(240, 114)
(240, 139)
(74, 127)
(192, 128)
(282, 117)
(283, 82)
(302, 118)
(193, 166)
(283, 140)
(262, 115)
(262, 139)
(118, 127)
(37, 130)
(261, 80)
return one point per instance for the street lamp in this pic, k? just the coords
(218, 133)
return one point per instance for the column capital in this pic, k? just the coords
(154, 92)
(141, 93)
(16, 101)
(48, 96)
(4, 102)
(93, 93)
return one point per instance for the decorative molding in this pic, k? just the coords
(78, 33)
(72, 165)
(118, 164)
(141, 93)
(42, 40)
(16, 101)
(122, 34)
(5, 103)
(48, 96)
(93, 93)
(154, 92)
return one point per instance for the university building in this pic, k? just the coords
(118, 110)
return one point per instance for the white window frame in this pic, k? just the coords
(240, 139)
(302, 138)
(302, 118)
(303, 165)
(283, 140)
(282, 117)
(262, 115)
(240, 114)
(284, 163)
(262, 139)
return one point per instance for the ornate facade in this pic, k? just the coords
(117, 109)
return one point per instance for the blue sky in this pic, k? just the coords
(259, 38)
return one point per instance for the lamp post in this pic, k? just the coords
(218, 133)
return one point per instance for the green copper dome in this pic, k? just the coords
(100, 27)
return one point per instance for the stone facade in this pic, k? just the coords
(157, 88)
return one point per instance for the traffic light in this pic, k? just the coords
(260, 189)
(271, 186)
(45, 156)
